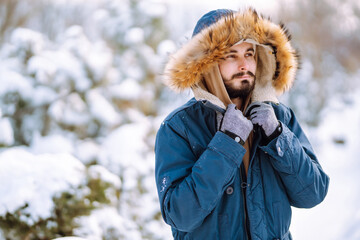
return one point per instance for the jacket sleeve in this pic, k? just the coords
(294, 159)
(190, 188)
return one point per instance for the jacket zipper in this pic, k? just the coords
(243, 190)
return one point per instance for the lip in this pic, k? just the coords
(243, 77)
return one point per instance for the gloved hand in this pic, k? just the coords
(234, 122)
(263, 114)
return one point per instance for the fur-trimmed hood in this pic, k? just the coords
(187, 66)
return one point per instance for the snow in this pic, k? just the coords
(51, 144)
(152, 8)
(71, 110)
(99, 66)
(134, 36)
(87, 151)
(7, 133)
(27, 40)
(338, 217)
(166, 47)
(69, 238)
(43, 96)
(99, 172)
(101, 109)
(35, 180)
(12, 82)
(106, 221)
(69, 69)
(42, 67)
(123, 148)
(129, 90)
(100, 15)
(57, 68)
(133, 67)
(96, 55)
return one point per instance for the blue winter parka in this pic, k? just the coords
(203, 190)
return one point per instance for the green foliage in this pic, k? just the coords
(12, 226)
(68, 206)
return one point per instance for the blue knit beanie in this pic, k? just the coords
(210, 18)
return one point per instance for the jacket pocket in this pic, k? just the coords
(282, 215)
(213, 228)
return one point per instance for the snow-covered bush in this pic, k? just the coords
(45, 193)
(77, 116)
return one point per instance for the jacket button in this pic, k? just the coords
(229, 190)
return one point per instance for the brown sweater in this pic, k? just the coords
(214, 84)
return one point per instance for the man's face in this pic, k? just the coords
(238, 70)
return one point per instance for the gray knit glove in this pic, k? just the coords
(263, 114)
(235, 125)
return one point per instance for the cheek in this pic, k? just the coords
(226, 70)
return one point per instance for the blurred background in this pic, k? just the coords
(81, 99)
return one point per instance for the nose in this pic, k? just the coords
(242, 64)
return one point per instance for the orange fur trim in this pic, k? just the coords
(186, 66)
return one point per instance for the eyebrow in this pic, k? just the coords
(249, 49)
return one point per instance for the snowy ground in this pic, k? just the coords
(338, 149)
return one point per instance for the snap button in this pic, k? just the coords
(245, 185)
(229, 190)
(237, 139)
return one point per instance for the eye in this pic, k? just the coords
(249, 54)
(231, 56)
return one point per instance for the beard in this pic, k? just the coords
(242, 91)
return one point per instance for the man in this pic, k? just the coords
(231, 161)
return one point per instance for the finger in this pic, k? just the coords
(255, 120)
(268, 106)
(253, 113)
(259, 106)
(264, 109)
(264, 104)
(253, 116)
(258, 114)
(251, 107)
(240, 114)
(231, 106)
